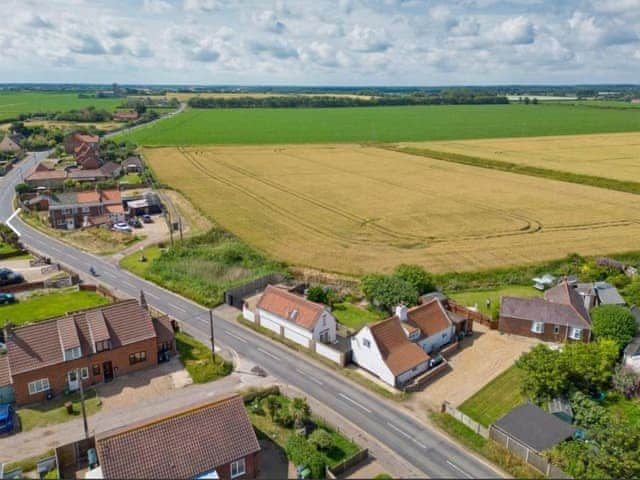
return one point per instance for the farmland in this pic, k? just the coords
(12, 104)
(607, 155)
(355, 209)
(380, 124)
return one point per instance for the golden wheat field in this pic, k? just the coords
(355, 209)
(615, 155)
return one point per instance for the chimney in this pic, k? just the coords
(401, 312)
(143, 301)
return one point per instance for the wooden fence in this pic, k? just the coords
(472, 314)
(465, 419)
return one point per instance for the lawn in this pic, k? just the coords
(43, 306)
(202, 267)
(28, 464)
(376, 208)
(131, 179)
(380, 124)
(196, 358)
(627, 411)
(354, 317)
(6, 249)
(479, 297)
(496, 398)
(53, 412)
(12, 104)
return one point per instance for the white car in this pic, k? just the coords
(122, 227)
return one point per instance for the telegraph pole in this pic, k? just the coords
(180, 225)
(213, 343)
(84, 411)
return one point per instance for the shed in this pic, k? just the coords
(534, 428)
(561, 408)
(545, 281)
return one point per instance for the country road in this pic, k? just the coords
(420, 445)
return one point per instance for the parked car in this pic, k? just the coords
(9, 277)
(435, 361)
(7, 418)
(7, 298)
(122, 227)
(147, 219)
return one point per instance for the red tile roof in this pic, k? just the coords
(88, 197)
(564, 294)
(291, 307)
(98, 329)
(400, 354)
(181, 444)
(68, 333)
(5, 373)
(431, 317)
(86, 138)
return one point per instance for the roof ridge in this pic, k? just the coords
(286, 293)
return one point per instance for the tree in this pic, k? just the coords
(22, 188)
(317, 294)
(613, 322)
(321, 439)
(545, 373)
(590, 365)
(417, 276)
(386, 292)
(141, 108)
(631, 292)
(626, 381)
(302, 452)
(300, 411)
(271, 405)
(587, 413)
(8, 236)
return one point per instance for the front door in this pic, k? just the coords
(73, 381)
(107, 370)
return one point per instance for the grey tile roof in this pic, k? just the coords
(539, 310)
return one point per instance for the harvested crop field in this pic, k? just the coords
(355, 209)
(615, 155)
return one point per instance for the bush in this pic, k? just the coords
(386, 292)
(317, 294)
(22, 188)
(613, 322)
(301, 452)
(417, 276)
(626, 381)
(321, 439)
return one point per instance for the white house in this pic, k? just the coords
(295, 317)
(397, 349)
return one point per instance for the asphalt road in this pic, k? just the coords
(418, 444)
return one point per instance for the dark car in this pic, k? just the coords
(147, 219)
(7, 298)
(9, 277)
(435, 361)
(7, 417)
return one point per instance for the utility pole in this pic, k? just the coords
(213, 343)
(180, 225)
(84, 411)
(170, 226)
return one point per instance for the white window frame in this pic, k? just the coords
(86, 209)
(576, 333)
(240, 463)
(366, 342)
(84, 373)
(72, 354)
(537, 327)
(38, 386)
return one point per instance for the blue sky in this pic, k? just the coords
(315, 42)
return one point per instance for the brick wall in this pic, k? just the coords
(252, 468)
(517, 326)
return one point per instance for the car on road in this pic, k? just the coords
(9, 277)
(7, 418)
(122, 227)
(7, 298)
(147, 219)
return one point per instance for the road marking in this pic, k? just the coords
(397, 429)
(354, 402)
(55, 249)
(8, 222)
(152, 295)
(128, 284)
(177, 307)
(269, 354)
(237, 337)
(459, 469)
(107, 274)
(310, 377)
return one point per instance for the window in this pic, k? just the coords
(96, 369)
(67, 211)
(237, 468)
(137, 357)
(537, 327)
(86, 209)
(366, 343)
(103, 345)
(38, 386)
(576, 333)
(556, 329)
(84, 373)
(72, 354)
(164, 346)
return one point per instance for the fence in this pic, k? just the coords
(100, 290)
(235, 296)
(465, 420)
(530, 456)
(473, 315)
(350, 462)
(73, 457)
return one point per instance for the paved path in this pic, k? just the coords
(427, 450)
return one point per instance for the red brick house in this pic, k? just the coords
(213, 439)
(561, 316)
(87, 156)
(84, 209)
(43, 176)
(92, 346)
(74, 140)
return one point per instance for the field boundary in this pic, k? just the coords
(558, 175)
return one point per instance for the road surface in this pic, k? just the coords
(421, 446)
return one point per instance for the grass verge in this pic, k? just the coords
(485, 447)
(374, 387)
(196, 358)
(53, 412)
(28, 464)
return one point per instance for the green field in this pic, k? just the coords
(380, 124)
(478, 297)
(12, 104)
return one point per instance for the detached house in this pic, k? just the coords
(84, 209)
(295, 317)
(87, 156)
(558, 317)
(45, 177)
(92, 346)
(10, 144)
(74, 140)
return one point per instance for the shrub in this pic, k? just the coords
(385, 291)
(317, 294)
(321, 439)
(626, 381)
(22, 188)
(301, 452)
(613, 322)
(417, 276)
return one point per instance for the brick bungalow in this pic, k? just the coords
(560, 316)
(212, 439)
(87, 156)
(43, 176)
(74, 140)
(96, 345)
(84, 209)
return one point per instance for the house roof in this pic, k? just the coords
(8, 144)
(538, 309)
(565, 294)
(40, 344)
(88, 197)
(182, 444)
(77, 174)
(608, 294)
(397, 351)
(45, 174)
(86, 138)
(534, 427)
(431, 317)
(5, 373)
(97, 326)
(133, 160)
(110, 168)
(114, 209)
(291, 307)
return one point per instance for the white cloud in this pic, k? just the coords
(201, 5)
(269, 21)
(367, 39)
(157, 6)
(37, 21)
(601, 32)
(89, 45)
(515, 31)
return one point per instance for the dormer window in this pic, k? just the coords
(103, 345)
(72, 354)
(293, 314)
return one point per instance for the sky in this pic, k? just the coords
(321, 42)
